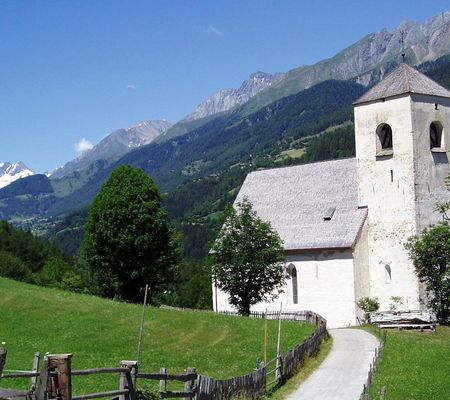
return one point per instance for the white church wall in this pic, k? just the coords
(361, 268)
(386, 187)
(325, 283)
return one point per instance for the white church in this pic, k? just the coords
(344, 223)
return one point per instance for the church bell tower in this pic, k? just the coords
(402, 128)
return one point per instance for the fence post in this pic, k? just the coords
(43, 382)
(62, 383)
(189, 385)
(383, 393)
(127, 381)
(162, 382)
(3, 353)
(35, 368)
(279, 366)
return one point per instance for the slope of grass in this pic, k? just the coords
(415, 365)
(307, 368)
(102, 332)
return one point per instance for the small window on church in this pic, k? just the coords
(293, 273)
(384, 140)
(387, 274)
(436, 136)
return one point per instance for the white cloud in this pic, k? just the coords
(131, 87)
(83, 145)
(212, 30)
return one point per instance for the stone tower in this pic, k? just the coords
(402, 128)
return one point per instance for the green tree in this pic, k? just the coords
(430, 254)
(128, 242)
(12, 267)
(60, 274)
(248, 260)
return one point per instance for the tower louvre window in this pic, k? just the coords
(386, 137)
(435, 135)
(384, 140)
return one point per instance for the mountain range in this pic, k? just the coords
(366, 61)
(200, 162)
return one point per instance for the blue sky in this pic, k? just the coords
(83, 68)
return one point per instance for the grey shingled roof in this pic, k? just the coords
(296, 199)
(404, 79)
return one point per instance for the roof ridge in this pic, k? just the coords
(401, 81)
(407, 76)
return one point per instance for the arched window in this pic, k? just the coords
(435, 135)
(387, 274)
(384, 138)
(293, 273)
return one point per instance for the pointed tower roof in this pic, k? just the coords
(404, 79)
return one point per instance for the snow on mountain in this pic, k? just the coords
(9, 172)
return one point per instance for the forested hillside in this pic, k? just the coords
(202, 171)
(25, 257)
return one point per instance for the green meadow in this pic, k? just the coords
(415, 365)
(101, 333)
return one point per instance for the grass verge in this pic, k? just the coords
(306, 369)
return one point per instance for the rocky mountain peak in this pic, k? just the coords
(9, 172)
(115, 145)
(226, 99)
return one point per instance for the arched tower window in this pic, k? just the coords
(387, 274)
(435, 135)
(384, 139)
(293, 273)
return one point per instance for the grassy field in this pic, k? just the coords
(102, 332)
(415, 365)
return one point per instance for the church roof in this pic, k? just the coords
(311, 206)
(404, 79)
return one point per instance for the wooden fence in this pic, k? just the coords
(255, 384)
(54, 381)
(365, 395)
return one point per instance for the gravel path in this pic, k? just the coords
(343, 373)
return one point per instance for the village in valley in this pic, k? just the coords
(289, 239)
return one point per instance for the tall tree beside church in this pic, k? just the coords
(128, 242)
(430, 254)
(248, 260)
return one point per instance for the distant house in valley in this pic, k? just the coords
(344, 223)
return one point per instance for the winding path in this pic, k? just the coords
(343, 373)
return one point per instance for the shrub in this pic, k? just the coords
(148, 393)
(12, 267)
(368, 305)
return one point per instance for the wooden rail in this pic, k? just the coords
(255, 384)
